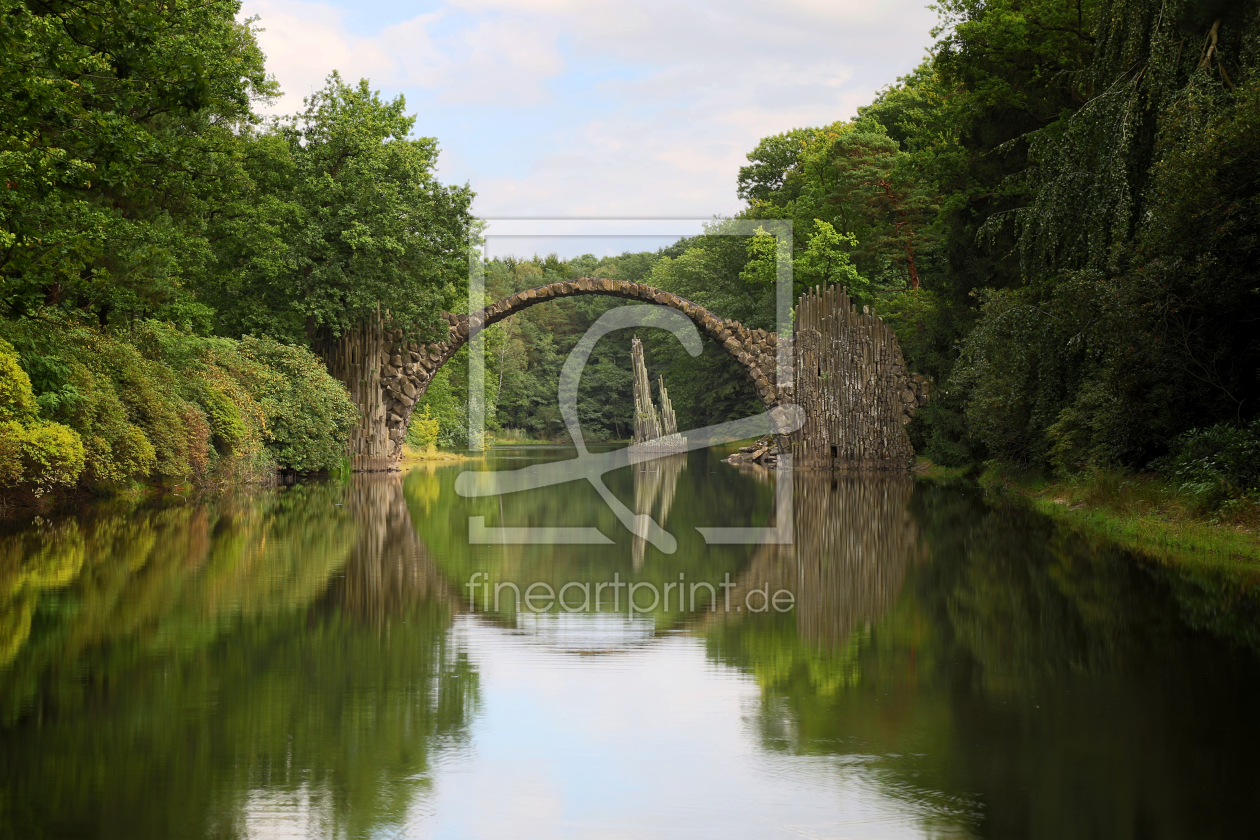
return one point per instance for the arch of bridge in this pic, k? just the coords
(407, 368)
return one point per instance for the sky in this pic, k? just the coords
(565, 110)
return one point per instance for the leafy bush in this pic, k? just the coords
(34, 454)
(309, 415)
(1217, 464)
(116, 449)
(17, 401)
(41, 456)
(423, 431)
(156, 402)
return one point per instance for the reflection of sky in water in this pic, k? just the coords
(286, 815)
(655, 742)
(658, 743)
(585, 633)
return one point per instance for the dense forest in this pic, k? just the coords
(1056, 211)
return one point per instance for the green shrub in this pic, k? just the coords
(1216, 465)
(11, 433)
(39, 457)
(52, 456)
(422, 433)
(17, 401)
(155, 402)
(309, 415)
(35, 454)
(150, 395)
(116, 449)
(224, 417)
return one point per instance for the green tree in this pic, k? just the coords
(347, 237)
(349, 226)
(119, 140)
(1138, 319)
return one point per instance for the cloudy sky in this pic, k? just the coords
(595, 108)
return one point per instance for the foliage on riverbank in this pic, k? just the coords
(102, 410)
(1145, 513)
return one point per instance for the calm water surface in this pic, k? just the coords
(308, 663)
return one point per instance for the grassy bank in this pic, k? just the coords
(1144, 513)
(518, 437)
(432, 454)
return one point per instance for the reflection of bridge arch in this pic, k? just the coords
(389, 389)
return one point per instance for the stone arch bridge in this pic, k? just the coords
(387, 374)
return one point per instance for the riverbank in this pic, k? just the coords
(1143, 513)
(431, 454)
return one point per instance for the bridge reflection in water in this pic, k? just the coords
(305, 663)
(853, 540)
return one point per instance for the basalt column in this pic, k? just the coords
(853, 384)
(355, 358)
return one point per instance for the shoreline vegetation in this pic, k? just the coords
(1144, 513)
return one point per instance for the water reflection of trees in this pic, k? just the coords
(853, 539)
(188, 668)
(1008, 679)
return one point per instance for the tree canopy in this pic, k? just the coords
(344, 218)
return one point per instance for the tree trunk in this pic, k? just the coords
(355, 358)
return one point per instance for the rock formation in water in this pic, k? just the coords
(652, 429)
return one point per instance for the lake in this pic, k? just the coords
(385, 658)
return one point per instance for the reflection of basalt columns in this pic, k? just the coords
(655, 483)
(854, 538)
(390, 568)
(652, 430)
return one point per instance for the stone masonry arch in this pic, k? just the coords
(387, 375)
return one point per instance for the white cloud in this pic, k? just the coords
(602, 106)
(305, 41)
